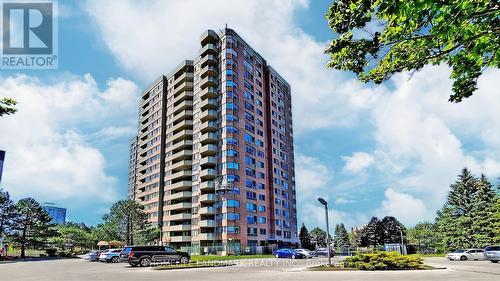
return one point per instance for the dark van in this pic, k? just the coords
(145, 255)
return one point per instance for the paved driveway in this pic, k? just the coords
(256, 269)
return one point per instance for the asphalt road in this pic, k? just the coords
(256, 269)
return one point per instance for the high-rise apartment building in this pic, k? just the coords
(213, 161)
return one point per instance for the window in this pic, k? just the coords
(249, 161)
(231, 106)
(250, 183)
(231, 141)
(233, 216)
(259, 143)
(260, 153)
(250, 150)
(248, 106)
(250, 172)
(261, 186)
(230, 117)
(232, 178)
(251, 195)
(262, 231)
(251, 231)
(251, 207)
(248, 96)
(233, 229)
(230, 153)
(252, 220)
(249, 127)
(232, 165)
(249, 138)
(262, 219)
(261, 175)
(260, 123)
(262, 197)
(231, 129)
(249, 117)
(262, 208)
(232, 203)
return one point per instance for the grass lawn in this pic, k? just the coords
(29, 253)
(337, 268)
(224, 258)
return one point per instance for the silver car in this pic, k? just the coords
(463, 255)
(492, 253)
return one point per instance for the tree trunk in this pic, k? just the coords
(23, 243)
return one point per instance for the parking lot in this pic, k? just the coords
(252, 269)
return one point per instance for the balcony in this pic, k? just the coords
(208, 49)
(208, 149)
(178, 206)
(183, 115)
(184, 124)
(173, 239)
(206, 236)
(207, 223)
(179, 227)
(186, 96)
(208, 138)
(208, 82)
(182, 135)
(186, 76)
(180, 186)
(185, 104)
(178, 195)
(184, 86)
(207, 186)
(208, 104)
(209, 92)
(207, 174)
(207, 211)
(181, 144)
(208, 161)
(186, 174)
(208, 70)
(210, 126)
(208, 59)
(178, 217)
(181, 165)
(208, 115)
(207, 198)
(181, 155)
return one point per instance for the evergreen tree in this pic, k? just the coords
(128, 217)
(305, 238)
(7, 212)
(373, 232)
(341, 237)
(391, 229)
(483, 214)
(318, 237)
(31, 225)
(461, 196)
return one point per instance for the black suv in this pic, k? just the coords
(144, 255)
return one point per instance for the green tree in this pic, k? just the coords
(391, 229)
(107, 231)
(305, 238)
(72, 235)
(7, 106)
(373, 234)
(341, 237)
(148, 236)
(318, 237)
(7, 212)
(423, 235)
(469, 217)
(31, 226)
(411, 34)
(128, 217)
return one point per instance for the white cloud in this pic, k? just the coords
(358, 162)
(406, 208)
(46, 157)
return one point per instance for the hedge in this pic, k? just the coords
(383, 261)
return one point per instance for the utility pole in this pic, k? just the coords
(324, 203)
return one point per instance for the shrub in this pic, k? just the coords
(383, 261)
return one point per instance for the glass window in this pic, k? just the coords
(251, 207)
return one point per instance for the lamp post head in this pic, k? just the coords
(322, 201)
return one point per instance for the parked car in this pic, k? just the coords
(307, 253)
(145, 255)
(492, 253)
(111, 255)
(463, 255)
(324, 252)
(288, 253)
(92, 256)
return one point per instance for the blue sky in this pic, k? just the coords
(370, 150)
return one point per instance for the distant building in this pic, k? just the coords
(57, 214)
(2, 158)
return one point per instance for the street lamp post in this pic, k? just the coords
(324, 203)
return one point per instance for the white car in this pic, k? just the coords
(463, 255)
(306, 252)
